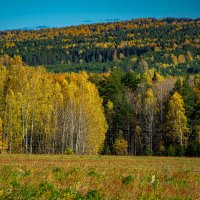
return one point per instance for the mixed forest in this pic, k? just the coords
(122, 88)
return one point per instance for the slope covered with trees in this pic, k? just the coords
(170, 45)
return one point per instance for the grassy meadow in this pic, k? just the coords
(98, 177)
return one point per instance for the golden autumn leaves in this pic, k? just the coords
(48, 113)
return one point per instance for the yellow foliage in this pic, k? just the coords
(174, 59)
(189, 56)
(3, 139)
(120, 146)
(176, 123)
(110, 105)
(181, 59)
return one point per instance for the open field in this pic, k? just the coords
(98, 177)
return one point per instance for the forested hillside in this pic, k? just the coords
(169, 45)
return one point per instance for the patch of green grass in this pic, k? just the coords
(93, 173)
(127, 180)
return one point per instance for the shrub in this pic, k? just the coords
(74, 170)
(69, 151)
(59, 173)
(93, 174)
(79, 196)
(127, 180)
(67, 193)
(171, 151)
(26, 192)
(148, 151)
(120, 146)
(106, 151)
(161, 149)
(48, 191)
(93, 195)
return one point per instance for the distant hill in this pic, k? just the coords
(34, 28)
(171, 45)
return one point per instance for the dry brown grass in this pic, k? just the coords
(111, 177)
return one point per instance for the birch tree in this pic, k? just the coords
(176, 122)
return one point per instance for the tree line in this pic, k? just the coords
(120, 113)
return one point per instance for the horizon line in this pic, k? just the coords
(90, 22)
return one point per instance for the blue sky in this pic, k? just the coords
(16, 14)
